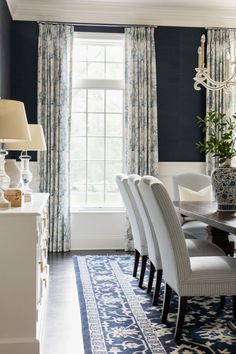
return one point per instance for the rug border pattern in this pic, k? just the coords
(137, 311)
(98, 345)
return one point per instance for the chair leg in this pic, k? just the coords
(142, 272)
(151, 276)
(166, 303)
(231, 244)
(136, 261)
(234, 306)
(220, 238)
(157, 288)
(222, 302)
(232, 322)
(180, 318)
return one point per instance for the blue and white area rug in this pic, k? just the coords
(118, 316)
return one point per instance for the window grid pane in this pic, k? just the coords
(101, 127)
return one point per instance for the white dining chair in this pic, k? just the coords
(195, 247)
(139, 237)
(187, 276)
(152, 245)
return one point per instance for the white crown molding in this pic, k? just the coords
(113, 13)
(12, 5)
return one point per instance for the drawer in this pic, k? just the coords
(42, 285)
(41, 303)
(42, 223)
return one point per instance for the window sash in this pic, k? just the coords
(102, 39)
(100, 84)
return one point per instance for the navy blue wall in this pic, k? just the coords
(5, 51)
(178, 102)
(24, 66)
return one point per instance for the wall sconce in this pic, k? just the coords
(13, 127)
(37, 143)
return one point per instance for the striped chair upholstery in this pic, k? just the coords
(139, 237)
(195, 247)
(187, 276)
(152, 245)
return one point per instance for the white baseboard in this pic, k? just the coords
(97, 242)
(97, 230)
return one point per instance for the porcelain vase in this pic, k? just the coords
(224, 187)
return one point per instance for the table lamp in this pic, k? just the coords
(13, 127)
(37, 143)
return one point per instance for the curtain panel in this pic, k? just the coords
(220, 42)
(54, 113)
(141, 135)
(141, 101)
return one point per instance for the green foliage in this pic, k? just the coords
(220, 140)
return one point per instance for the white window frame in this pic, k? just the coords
(86, 37)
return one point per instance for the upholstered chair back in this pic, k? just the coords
(138, 232)
(170, 237)
(153, 248)
(190, 180)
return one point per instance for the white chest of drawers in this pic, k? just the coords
(23, 275)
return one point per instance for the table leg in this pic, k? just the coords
(221, 239)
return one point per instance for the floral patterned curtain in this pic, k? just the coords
(219, 43)
(54, 110)
(140, 105)
(141, 101)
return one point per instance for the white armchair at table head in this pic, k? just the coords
(194, 182)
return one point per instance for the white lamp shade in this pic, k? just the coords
(37, 142)
(13, 121)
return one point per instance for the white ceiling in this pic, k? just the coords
(217, 13)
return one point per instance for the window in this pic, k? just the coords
(97, 120)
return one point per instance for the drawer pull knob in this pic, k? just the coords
(41, 266)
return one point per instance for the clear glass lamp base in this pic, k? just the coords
(26, 178)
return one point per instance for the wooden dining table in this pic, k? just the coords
(222, 224)
(207, 212)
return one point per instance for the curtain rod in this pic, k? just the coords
(96, 24)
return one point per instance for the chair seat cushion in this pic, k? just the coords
(210, 276)
(187, 235)
(197, 229)
(203, 248)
